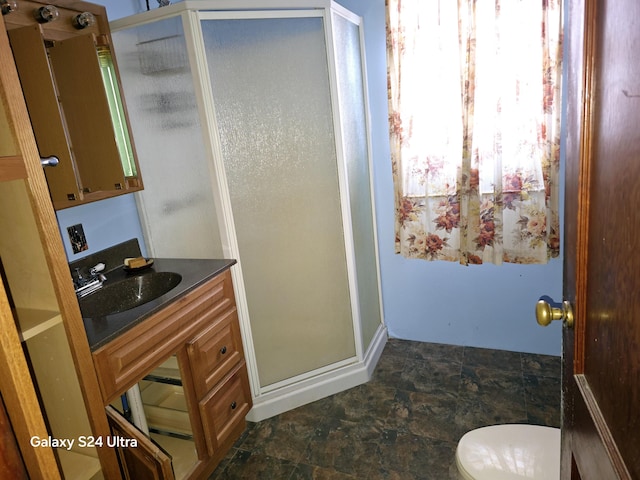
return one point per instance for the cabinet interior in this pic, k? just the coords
(163, 405)
(39, 324)
(72, 89)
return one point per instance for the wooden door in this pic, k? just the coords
(601, 381)
(140, 457)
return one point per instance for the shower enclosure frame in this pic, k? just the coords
(299, 389)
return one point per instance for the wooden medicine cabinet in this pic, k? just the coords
(71, 85)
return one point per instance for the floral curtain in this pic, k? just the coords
(474, 102)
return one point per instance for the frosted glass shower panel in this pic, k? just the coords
(270, 83)
(351, 95)
(176, 205)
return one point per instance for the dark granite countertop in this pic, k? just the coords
(101, 330)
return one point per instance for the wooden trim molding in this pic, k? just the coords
(601, 434)
(584, 179)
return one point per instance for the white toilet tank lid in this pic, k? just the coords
(510, 452)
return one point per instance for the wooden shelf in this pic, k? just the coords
(33, 321)
(168, 372)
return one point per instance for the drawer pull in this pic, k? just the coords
(223, 350)
(233, 405)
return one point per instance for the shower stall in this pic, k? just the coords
(250, 122)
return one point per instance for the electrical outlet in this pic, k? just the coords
(78, 240)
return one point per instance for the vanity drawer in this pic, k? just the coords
(223, 411)
(215, 352)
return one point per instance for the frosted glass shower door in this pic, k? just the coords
(177, 204)
(270, 87)
(353, 112)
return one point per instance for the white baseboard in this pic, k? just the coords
(323, 385)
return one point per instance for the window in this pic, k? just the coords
(474, 99)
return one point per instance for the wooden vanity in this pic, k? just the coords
(192, 351)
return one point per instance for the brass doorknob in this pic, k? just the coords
(545, 313)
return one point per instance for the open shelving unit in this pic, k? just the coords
(48, 384)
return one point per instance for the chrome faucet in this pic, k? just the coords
(86, 285)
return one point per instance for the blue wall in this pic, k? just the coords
(421, 299)
(105, 223)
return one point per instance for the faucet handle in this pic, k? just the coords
(97, 268)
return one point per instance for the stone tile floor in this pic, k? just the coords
(404, 423)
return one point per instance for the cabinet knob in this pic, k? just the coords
(51, 161)
(233, 405)
(223, 350)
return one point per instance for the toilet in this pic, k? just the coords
(509, 452)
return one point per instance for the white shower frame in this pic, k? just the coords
(272, 399)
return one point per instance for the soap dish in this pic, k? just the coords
(127, 268)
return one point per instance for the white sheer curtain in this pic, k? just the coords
(474, 98)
